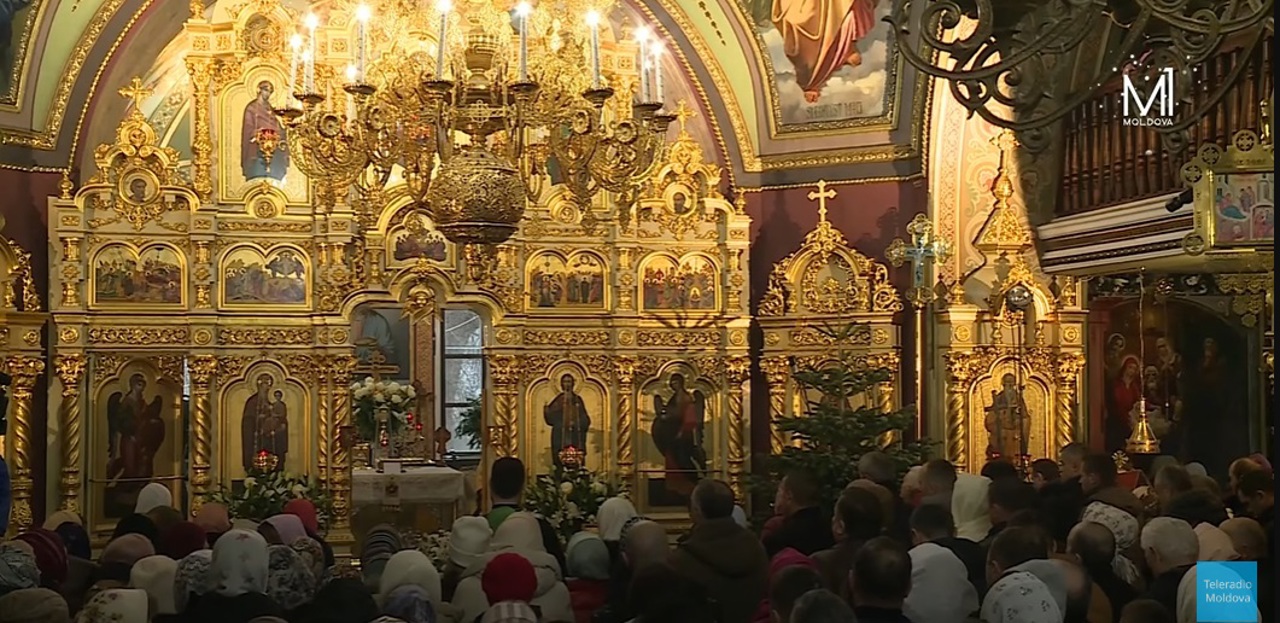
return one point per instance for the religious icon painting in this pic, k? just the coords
(17, 22)
(124, 276)
(276, 278)
(416, 237)
(1010, 416)
(677, 451)
(568, 414)
(688, 284)
(253, 145)
(1244, 208)
(136, 438)
(383, 338)
(575, 283)
(138, 187)
(264, 425)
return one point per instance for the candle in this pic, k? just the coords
(308, 72)
(443, 6)
(352, 75)
(363, 14)
(295, 45)
(309, 58)
(522, 11)
(642, 37)
(657, 71)
(593, 21)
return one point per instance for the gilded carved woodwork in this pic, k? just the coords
(24, 370)
(70, 369)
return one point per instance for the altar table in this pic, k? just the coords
(418, 499)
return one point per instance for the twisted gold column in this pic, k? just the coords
(737, 370)
(70, 369)
(958, 376)
(24, 371)
(1069, 365)
(776, 370)
(202, 369)
(328, 430)
(201, 70)
(340, 469)
(625, 369)
(506, 384)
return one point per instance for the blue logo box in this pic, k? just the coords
(1227, 592)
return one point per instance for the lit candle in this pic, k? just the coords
(295, 45)
(363, 14)
(642, 37)
(522, 11)
(443, 6)
(309, 58)
(657, 71)
(593, 22)
(308, 75)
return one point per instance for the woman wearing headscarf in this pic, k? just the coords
(115, 565)
(1124, 527)
(379, 544)
(288, 527)
(117, 605)
(239, 568)
(340, 601)
(81, 570)
(588, 575)
(51, 556)
(306, 511)
(313, 557)
(409, 603)
(940, 587)
(970, 508)
(411, 567)
(214, 519)
(152, 496)
(138, 524)
(34, 605)
(520, 535)
(289, 582)
(1020, 597)
(784, 559)
(60, 517)
(75, 538)
(182, 539)
(193, 579)
(613, 518)
(468, 541)
(156, 575)
(18, 568)
(1215, 544)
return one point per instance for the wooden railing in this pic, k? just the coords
(1109, 163)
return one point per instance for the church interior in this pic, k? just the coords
(368, 248)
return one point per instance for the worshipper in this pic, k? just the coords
(6, 496)
(1094, 547)
(858, 519)
(997, 469)
(380, 543)
(152, 496)
(970, 507)
(1257, 493)
(931, 523)
(518, 537)
(804, 527)
(157, 575)
(1250, 542)
(912, 490)
(411, 604)
(282, 529)
(1007, 497)
(662, 595)
(214, 519)
(116, 605)
(587, 577)
(1044, 472)
(821, 606)
(290, 583)
(75, 538)
(312, 555)
(786, 587)
(1086, 602)
(306, 511)
(727, 561)
(1018, 595)
(240, 566)
(18, 568)
(510, 612)
(884, 499)
(411, 567)
(881, 580)
(1098, 481)
(1052, 574)
(165, 518)
(1071, 460)
(1170, 482)
(506, 487)
(1197, 506)
(940, 590)
(81, 571)
(1145, 611)
(644, 543)
(1207, 483)
(782, 561)
(1235, 471)
(182, 539)
(614, 514)
(1214, 544)
(1170, 547)
(192, 579)
(51, 556)
(1124, 530)
(509, 577)
(881, 469)
(57, 518)
(938, 483)
(468, 541)
(342, 600)
(115, 565)
(138, 524)
(34, 605)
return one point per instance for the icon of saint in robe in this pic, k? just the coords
(820, 37)
(134, 433)
(258, 115)
(677, 432)
(567, 416)
(264, 425)
(1006, 420)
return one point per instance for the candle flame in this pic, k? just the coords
(524, 9)
(295, 42)
(642, 33)
(364, 13)
(351, 73)
(593, 18)
(312, 21)
(444, 6)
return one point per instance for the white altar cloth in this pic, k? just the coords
(415, 485)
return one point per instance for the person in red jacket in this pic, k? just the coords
(588, 575)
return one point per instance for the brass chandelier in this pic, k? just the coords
(468, 108)
(1017, 63)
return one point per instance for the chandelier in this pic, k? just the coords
(1017, 63)
(469, 107)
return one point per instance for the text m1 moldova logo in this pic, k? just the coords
(1157, 109)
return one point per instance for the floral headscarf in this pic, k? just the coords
(312, 554)
(1124, 527)
(116, 605)
(1020, 597)
(18, 568)
(410, 604)
(289, 582)
(289, 527)
(240, 564)
(193, 576)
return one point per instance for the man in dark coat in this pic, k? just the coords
(723, 558)
(805, 528)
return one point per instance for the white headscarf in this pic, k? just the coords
(1215, 544)
(940, 587)
(156, 575)
(969, 507)
(1124, 527)
(153, 496)
(520, 531)
(613, 514)
(240, 563)
(1196, 469)
(411, 567)
(739, 516)
(1020, 597)
(116, 605)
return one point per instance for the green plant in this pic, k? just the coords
(265, 494)
(468, 427)
(841, 423)
(568, 498)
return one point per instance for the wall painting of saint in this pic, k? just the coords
(568, 418)
(139, 441)
(261, 414)
(17, 17)
(264, 149)
(688, 285)
(264, 424)
(251, 278)
(123, 276)
(679, 434)
(578, 283)
(1244, 208)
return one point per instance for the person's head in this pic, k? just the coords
(509, 577)
(156, 575)
(881, 574)
(879, 468)
(1169, 543)
(468, 540)
(1012, 547)
(677, 382)
(506, 479)
(711, 499)
(587, 557)
(1196, 507)
(999, 469)
(1097, 472)
(1093, 544)
(1043, 472)
(930, 522)
(858, 515)
(1071, 458)
(1257, 490)
(240, 563)
(51, 556)
(265, 89)
(821, 606)
(787, 586)
(1145, 611)
(646, 544)
(137, 383)
(1237, 469)
(1170, 482)
(797, 490)
(567, 383)
(1009, 496)
(939, 477)
(613, 515)
(137, 188)
(35, 605)
(661, 595)
(912, 485)
(1248, 538)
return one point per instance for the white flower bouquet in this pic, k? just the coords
(262, 495)
(436, 547)
(569, 499)
(370, 397)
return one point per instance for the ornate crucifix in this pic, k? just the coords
(922, 252)
(821, 196)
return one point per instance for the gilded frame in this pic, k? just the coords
(266, 253)
(537, 256)
(679, 260)
(97, 305)
(1246, 154)
(227, 425)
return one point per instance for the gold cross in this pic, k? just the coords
(683, 114)
(136, 92)
(1006, 141)
(821, 196)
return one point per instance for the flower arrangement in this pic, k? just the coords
(569, 498)
(264, 494)
(436, 547)
(370, 396)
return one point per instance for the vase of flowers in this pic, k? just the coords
(382, 406)
(264, 493)
(569, 498)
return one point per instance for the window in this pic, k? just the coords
(461, 370)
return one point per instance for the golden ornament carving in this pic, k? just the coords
(963, 333)
(1067, 377)
(264, 337)
(24, 372)
(626, 338)
(772, 339)
(201, 71)
(202, 337)
(566, 338)
(138, 336)
(32, 338)
(70, 369)
(278, 227)
(625, 372)
(777, 373)
(506, 336)
(1071, 335)
(678, 339)
(737, 370)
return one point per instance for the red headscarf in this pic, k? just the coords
(306, 511)
(788, 557)
(182, 539)
(509, 577)
(51, 556)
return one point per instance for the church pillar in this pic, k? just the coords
(776, 371)
(328, 432)
(201, 70)
(1068, 379)
(340, 469)
(959, 375)
(70, 369)
(625, 370)
(738, 370)
(202, 369)
(504, 433)
(24, 371)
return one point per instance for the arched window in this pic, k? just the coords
(462, 372)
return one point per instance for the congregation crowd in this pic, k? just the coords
(1079, 543)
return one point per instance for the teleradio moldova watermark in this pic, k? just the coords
(1156, 110)
(1227, 592)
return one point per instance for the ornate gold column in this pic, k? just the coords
(776, 371)
(201, 70)
(506, 387)
(737, 371)
(328, 430)
(625, 369)
(70, 369)
(202, 369)
(24, 370)
(1068, 373)
(959, 373)
(340, 468)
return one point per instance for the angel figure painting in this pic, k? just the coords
(134, 434)
(677, 431)
(1006, 421)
